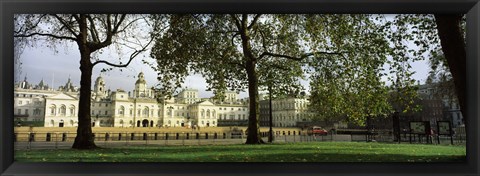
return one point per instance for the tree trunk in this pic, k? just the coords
(84, 138)
(253, 136)
(453, 47)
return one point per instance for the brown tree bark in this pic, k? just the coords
(84, 138)
(253, 136)
(453, 47)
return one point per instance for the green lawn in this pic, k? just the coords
(295, 152)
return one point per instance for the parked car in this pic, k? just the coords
(316, 131)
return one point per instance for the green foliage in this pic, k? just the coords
(344, 56)
(349, 84)
(211, 45)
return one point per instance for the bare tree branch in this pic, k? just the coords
(266, 53)
(132, 56)
(69, 28)
(237, 23)
(93, 30)
(46, 35)
(255, 19)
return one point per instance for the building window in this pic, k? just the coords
(53, 110)
(121, 110)
(106, 112)
(19, 102)
(63, 110)
(19, 111)
(145, 112)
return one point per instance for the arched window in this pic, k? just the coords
(121, 111)
(63, 110)
(170, 111)
(203, 113)
(145, 111)
(53, 110)
(72, 110)
(208, 113)
(213, 113)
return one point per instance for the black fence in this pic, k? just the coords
(65, 140)
(50, 140)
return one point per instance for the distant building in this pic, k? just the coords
(439, 108)
(59, 108)
(286, 112)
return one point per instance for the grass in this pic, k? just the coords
(294, 152)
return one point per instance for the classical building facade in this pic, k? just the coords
(286, 111)
(59, 108)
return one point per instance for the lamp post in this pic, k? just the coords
(270, 136)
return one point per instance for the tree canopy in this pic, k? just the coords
(93, 33)
(344, 56)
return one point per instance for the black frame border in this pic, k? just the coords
(10, 7)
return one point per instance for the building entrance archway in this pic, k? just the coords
(145, 123)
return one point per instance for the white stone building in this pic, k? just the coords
(286, 112)
(59, 108)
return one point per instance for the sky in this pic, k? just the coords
(40, 62)
(55, 68)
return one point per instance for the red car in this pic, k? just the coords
(317, 131)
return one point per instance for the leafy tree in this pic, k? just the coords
(435, 35)
(93, 34)
(350, 86)
(440, 78)
(255, 51)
